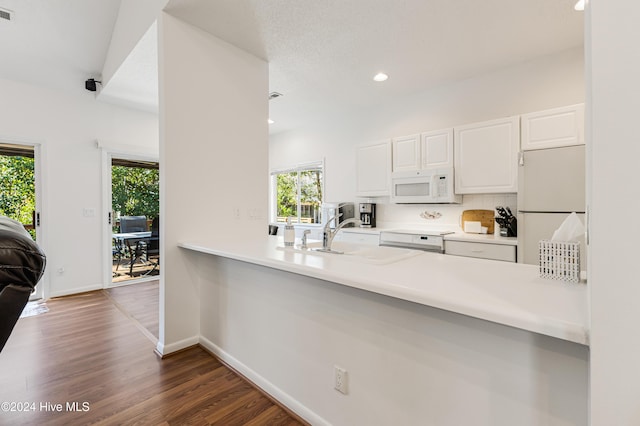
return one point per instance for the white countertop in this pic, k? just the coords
(502, 292)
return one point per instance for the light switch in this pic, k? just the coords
(89, 212)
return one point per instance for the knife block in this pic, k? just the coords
(511, 230)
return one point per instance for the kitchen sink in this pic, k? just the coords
(358, 252)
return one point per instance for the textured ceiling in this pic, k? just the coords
(322, 54)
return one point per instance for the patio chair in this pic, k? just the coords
(124, 248)
(150, 246)
(118, 252)
(133, 224)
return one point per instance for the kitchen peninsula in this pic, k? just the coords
(421, 337)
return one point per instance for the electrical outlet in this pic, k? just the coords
(340, 379)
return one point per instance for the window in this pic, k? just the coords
(297, 193)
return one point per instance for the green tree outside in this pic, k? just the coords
(135, 191)
(17, 189)
(287, 194)
(310, 183)
(310, 195)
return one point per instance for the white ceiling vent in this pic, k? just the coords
(6, 14)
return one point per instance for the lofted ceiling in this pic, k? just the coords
(322, 54)
(56, 43)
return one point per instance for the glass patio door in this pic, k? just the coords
(20, 191)
(132, 210)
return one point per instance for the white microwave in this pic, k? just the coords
(424, 187)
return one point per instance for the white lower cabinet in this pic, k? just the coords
(502, 252)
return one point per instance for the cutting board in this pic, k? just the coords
(486, 217)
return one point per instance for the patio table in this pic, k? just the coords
(130, 239)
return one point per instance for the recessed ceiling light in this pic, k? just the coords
(380, 77)
(579, 5)
(270, 121)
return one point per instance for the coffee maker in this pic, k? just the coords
(367, 215)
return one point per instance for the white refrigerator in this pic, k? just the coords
(551, 185)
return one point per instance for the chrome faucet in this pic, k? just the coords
(304, 238)
(328, 234)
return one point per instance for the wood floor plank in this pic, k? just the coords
(141, 302)
(86, 353)
(272, 416)
(241, 410)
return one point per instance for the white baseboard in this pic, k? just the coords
(75, 290)
(164, 350)
(268, 387)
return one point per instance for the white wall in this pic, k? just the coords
(213, 150)
(67, 126)
(407, 364)
(550, 81)
(614, 95)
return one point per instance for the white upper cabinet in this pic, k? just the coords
(553, 128)
(406, 153)
(486, 156)
(428, 150)
(373, 169)
(437, 148)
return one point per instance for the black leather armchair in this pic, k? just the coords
(22, 264)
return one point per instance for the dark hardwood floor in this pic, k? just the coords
(140, 302)
(87, 362)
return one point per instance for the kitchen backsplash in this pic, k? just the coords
(437, 215)
(412, 216)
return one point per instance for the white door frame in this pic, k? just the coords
(108, 154)
(42, 291)
(39, 168)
